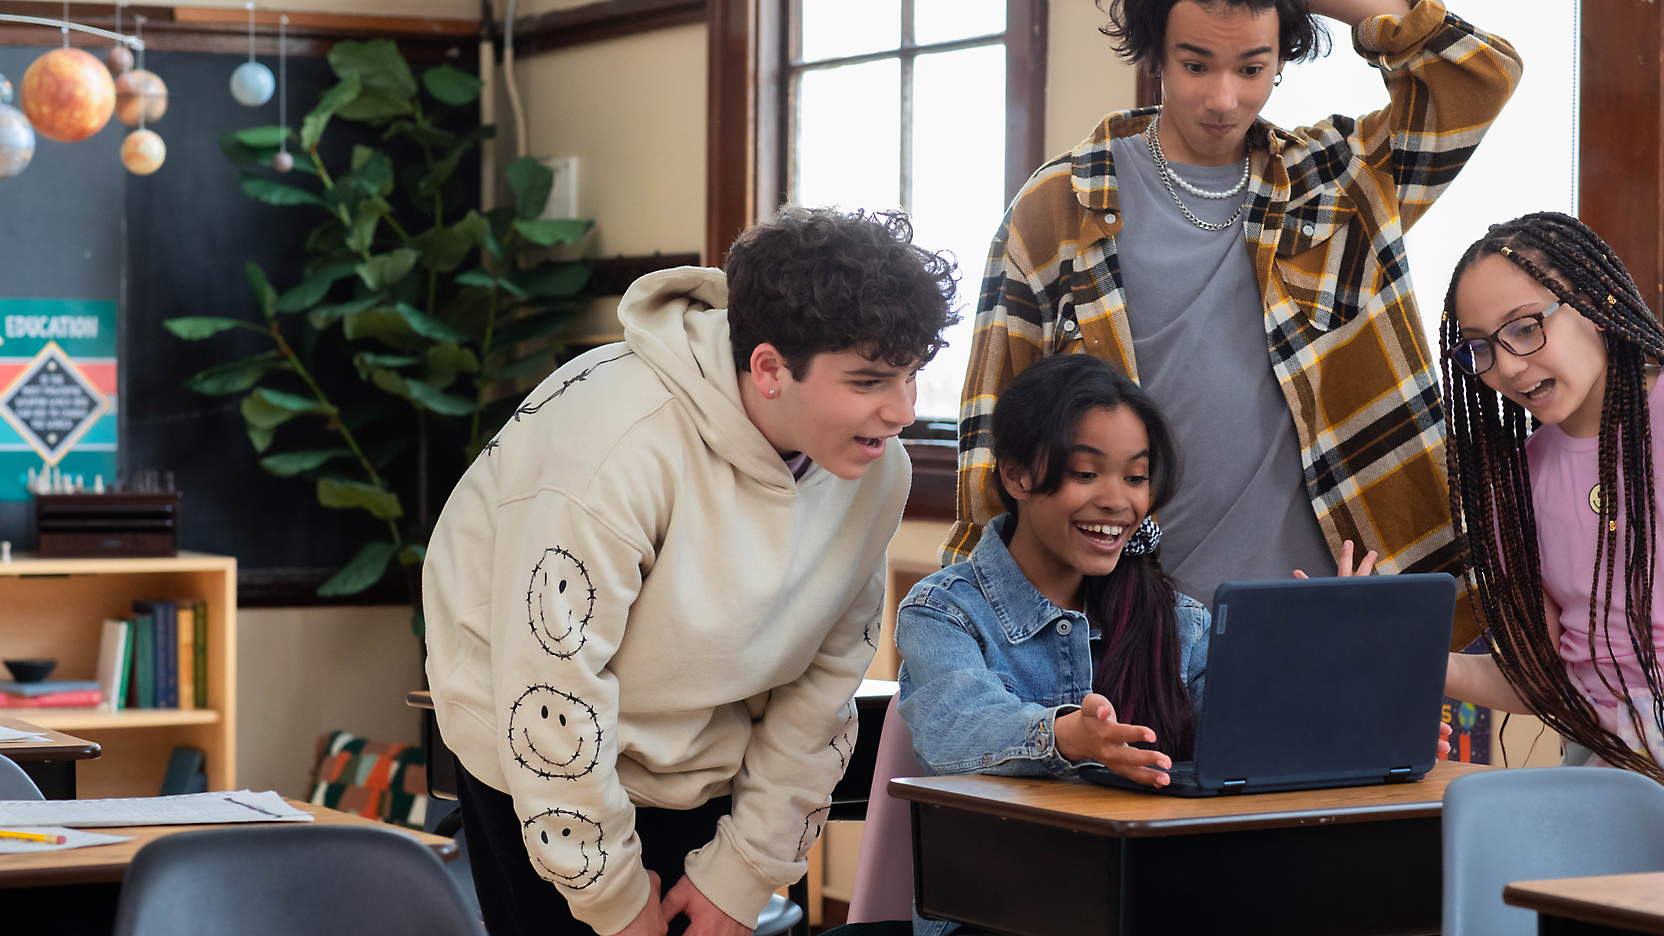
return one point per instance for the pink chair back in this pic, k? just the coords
(884, 871)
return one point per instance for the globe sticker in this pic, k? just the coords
(566, 847)
(559, 602)
(554, 734)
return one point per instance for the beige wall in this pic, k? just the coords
(302, 672)
(1084, 79)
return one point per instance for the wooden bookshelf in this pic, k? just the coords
(56, 608)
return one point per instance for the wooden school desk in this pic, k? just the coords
(1617, 903)
(75, 892)
(50, 763)
(1043, 857)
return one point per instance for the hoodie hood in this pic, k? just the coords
(677, 321)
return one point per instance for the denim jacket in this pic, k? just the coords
(990, 664)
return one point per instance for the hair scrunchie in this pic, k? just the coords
(1145, 539)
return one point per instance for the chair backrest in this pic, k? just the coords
(884, 870)
(1528, 824)
(289, 881)
(15, 784)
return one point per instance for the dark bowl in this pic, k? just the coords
(30, 670)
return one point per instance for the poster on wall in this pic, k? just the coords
(57, 391)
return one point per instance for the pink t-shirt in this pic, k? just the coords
(1564, 475)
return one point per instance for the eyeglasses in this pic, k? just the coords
(1522, 336)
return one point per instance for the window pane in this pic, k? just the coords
(947, 20)
(1497, 184)
(836, 28)
(958, 190)
(848, 150)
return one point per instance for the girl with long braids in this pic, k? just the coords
(1545, 328)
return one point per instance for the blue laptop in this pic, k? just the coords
(1317, 683)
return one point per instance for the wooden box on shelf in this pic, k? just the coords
(56, 608)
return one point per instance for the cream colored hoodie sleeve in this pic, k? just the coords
(796, 755)
(560, 702)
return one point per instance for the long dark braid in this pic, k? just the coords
(1490, 485)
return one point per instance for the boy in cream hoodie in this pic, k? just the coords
(651, 599)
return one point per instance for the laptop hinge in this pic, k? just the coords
(1233, 786)
(1398, 775)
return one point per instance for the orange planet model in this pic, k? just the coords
(143, 152)
(68, 95)
(140, 90)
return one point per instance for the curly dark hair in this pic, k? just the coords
(1139, 28)
(814, 280)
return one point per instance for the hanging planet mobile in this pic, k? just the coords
(143, 152)
(140, 91)
(68, 95)
(17, 137)
(252, 84)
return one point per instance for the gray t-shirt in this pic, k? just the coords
(1198, 334)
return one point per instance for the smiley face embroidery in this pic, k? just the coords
(554, 734)
(566, 847)
(559, 602)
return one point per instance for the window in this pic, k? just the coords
(908, 104)
(1527, 161)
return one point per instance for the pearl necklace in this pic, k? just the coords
(1168, 177)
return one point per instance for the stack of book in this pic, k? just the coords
(51, 693)
(158, 658)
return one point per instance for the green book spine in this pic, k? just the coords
(124, 669)
(144, 660)
(200, 651)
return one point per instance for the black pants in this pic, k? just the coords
(515, 901)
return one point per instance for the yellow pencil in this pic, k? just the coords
(33, 837)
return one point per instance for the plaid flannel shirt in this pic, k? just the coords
(1328, 208)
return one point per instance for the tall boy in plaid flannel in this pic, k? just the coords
(1254, 281)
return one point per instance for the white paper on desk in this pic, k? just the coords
(76, 839)
(190, 809)
(12, 734)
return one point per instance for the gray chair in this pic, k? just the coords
(15, 784)
(290, 881)
(778, 917)
(1503, 826)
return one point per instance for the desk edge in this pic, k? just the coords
(1572, 908)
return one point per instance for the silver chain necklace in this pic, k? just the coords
(1168, 175)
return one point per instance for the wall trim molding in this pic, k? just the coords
(605, 19)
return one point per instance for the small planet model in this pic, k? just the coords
(68, 95)
(252, 84)
(283, 162)
(140, 90)
(119, 60)
(17, 141)
(143, 152)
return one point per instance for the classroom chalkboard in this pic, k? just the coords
(76, 225)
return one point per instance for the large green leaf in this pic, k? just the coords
(347, 495)
(275, 193)
(451, 85)
(264, 294)
(554, 280)
(388, 381)
(436, 137)
(312, 290)
(312, 127)
(268, 137)
(323, 316)
(413, 553)
(383, 323)
(374, 106)
(260, 413)
(480, 277)
(293, 402)
(477, 229)
(446, 360)
(549, 232)
(261, 436)
(372, 174)
(438, 400)
(428, 327)
(289, 464)
(383, 270)
(531, 182)
(377, 63)
(365, 359)
(236, 376)
(362, 237)
(326, 237)
(198, 327)
(443, 249)
(364, 570)
(433, 182)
